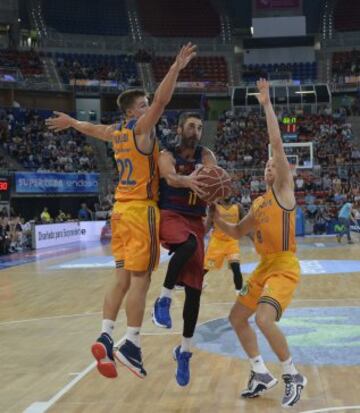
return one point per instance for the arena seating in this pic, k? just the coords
(28, 62)
(347, 16)
(345, 64)
(87, 17)
(298, 71)
(201, 69)
(25, 138)
(121, 68)
(172, 18)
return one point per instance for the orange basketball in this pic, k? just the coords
(218, 181)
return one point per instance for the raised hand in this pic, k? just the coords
(186, 54)
(264, 95)
(60, 122)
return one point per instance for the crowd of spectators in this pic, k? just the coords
(27, 140)
(346, 65)
(27, 62)
(242, 148)
(112, 69)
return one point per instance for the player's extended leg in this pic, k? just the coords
(261, 380)
(183, 252)
(182, 353)
(237, 275)
(129, 353)
(102, 350)
(266, 317)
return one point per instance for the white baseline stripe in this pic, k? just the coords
(41, 407)
(29, 320)
(332, 409)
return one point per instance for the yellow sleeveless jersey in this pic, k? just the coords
(138, 172)
(230, 215)
(275, 226)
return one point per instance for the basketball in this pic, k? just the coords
(218, 181)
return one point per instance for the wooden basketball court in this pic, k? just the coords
(49, 318)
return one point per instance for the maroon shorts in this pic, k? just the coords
(175, 228)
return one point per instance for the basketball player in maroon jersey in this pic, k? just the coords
(182, 231)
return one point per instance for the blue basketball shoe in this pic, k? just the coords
(130, 356)
(102, 350)
(183, 366)
(161, 312)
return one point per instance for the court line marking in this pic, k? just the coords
(56, 317)
(41, 407)
(332, 409)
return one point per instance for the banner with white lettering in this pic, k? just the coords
(51, 182)
(51, 235)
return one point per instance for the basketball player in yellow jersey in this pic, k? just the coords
(271, 286)
(135, 216)
(221, 246)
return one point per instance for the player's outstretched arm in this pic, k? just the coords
(236, 231)
(165, 91)
(62, 121)
(279, 156)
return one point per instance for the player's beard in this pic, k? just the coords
(190, 142)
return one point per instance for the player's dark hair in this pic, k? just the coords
(187, 115)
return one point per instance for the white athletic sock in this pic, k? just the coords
(133, 335)
(165, 292)
(108, 327)
(185, 344)
(289, 366)
(258, 365)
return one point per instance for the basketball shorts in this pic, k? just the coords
(175, 228)
(135, 235)
(273, 282)
(218, 250)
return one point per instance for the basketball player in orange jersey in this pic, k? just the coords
(135, 216)
(221, 246)
(182, 231)
(271, 286)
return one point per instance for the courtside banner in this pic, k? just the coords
(56, 183)
(51, 235)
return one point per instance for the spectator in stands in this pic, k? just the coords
(45, 216)
(61, 217)
(85, 214)
(255, 185)
(345, 216)
(321, 219)
(299, 183)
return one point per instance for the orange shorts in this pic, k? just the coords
(218, 250)
(273, 282)
(135, 235)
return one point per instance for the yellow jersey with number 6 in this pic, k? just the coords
(228, 214)
(138, 171)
